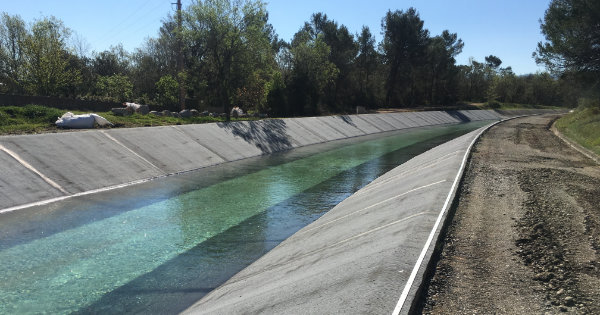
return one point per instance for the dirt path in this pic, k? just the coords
(525, 237)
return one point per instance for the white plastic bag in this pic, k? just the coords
(68, 120)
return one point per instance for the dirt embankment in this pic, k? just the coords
(525, 236)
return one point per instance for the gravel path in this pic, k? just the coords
(525, 236)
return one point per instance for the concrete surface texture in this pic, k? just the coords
(358, 258)
(35, 168)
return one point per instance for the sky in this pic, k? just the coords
(508, 29)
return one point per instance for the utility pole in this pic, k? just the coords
(180, 57)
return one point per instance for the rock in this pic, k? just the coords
(204, 113)
(561, 291)
(156, 113)
(361, 110)
(569, 301)
(143, 110)
(186, 113)
(263, 115)
(176, 115)
(167, 113)
(236, 112)
(121, 111)
(195, 112)
(212, 115)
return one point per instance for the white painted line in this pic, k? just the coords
(425, 165)
(417, 266)
(89, 192)
(371, 206)
(31, 168)
(130, 150)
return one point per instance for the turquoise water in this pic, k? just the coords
(158, 247)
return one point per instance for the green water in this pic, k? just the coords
(75, 267)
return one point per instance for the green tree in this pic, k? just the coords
(230, 41)
(116, 88)
(12, 60)
(367, 64)
(572, 46)
(47, 58)
(311, 73)
(404, 48)
(442, 70)
(167, 91)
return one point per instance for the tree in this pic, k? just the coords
(47, 58)
(367, 63)
(404, 49)
(230, 40)
(493, 62)
(112, 62)
(116, 88)
(167, 91)
(442, 69)
(572, 46)
(572, 36)
(12, 60)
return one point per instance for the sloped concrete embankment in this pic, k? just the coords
(47, 167)
(364, 256)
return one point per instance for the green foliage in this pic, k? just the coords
(29, 118)
(116, 88)
(12, 60)
(583, 125)
(167, 91)
(46, 58)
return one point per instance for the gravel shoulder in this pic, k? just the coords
(525, 231)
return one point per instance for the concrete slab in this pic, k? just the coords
(314, 125)
(19, 185)
(358, 258)
(418, 119)
(397, 124)
(404, 119)
(80, 161)
(179, 152)
(343, 124)
(367, 127)
(221, 140)
(300, 134)
(374, 120)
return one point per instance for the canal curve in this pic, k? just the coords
(161, 245)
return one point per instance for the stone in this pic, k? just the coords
(195, 112)
(236, 112)
(186, 113)
(156, 113)
(121, 111)
(176, 115)
(204, 113)
(143, 109)
(167, 113)
(361, 110)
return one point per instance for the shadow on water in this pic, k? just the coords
(268, 135)
(180, 282)
(458, 115)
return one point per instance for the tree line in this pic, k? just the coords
(232, 56)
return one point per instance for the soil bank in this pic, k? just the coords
(525, 234)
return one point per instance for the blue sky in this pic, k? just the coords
(508, 29)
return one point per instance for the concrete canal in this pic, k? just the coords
(160, 246)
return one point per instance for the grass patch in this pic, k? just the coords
(38, 119)
(499, 105)
(583, 127)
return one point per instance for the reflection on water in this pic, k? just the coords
(161, 246)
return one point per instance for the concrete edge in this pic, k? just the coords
(585, 151)
(411, 293)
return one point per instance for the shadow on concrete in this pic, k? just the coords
(347, 119)
(458, 115)
(267, 135)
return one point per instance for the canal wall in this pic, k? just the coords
(47, 167)
(367, 255)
